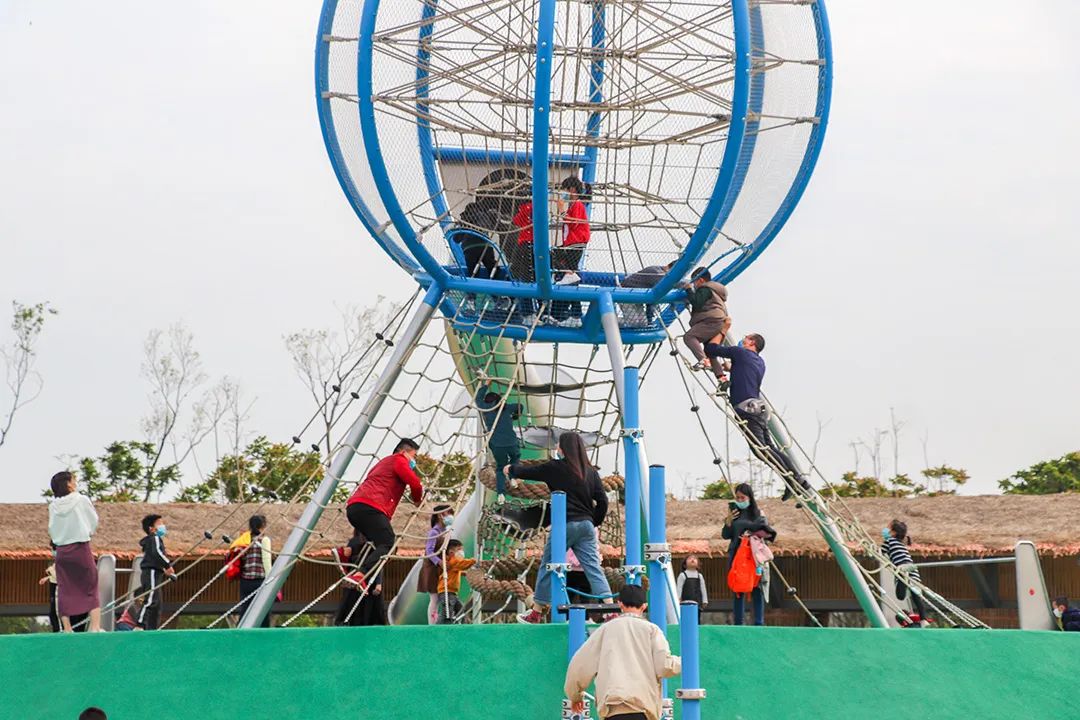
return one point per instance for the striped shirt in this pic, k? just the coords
(899, 555)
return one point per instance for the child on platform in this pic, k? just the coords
(450, 581)
(690, 587)
(155, 568)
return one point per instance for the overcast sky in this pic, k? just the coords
(162, 162)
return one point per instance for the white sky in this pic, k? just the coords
(163, 162)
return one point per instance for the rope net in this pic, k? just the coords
(831, 510)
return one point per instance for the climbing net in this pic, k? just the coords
(562, 389)
(821, 511)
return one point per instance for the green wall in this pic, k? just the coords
(503, 672)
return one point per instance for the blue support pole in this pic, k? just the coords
(558, 555)
(691, 693)
(631, 436)
(545, 41)
(596, 93)
(577, 631)
(659, 552)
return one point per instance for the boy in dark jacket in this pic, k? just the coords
(155, 569)
(1069, 617)
(503, 441)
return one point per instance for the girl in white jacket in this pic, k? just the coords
(72, 521)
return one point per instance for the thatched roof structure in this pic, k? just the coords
(940, 526)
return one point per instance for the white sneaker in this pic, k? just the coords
(570, 278)
(528, 321)
(568, 322)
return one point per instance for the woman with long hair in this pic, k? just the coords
(255, 565)
(744, 520)
(72, 522)
(586, 506)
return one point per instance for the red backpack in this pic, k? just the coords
(742, 577)
(234, 558)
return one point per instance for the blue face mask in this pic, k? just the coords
(412, 464)
(742, 504)
(885, 533)
(161, 531)
(448, 520)
(741, 343)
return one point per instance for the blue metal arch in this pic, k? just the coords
(423, 125)
(373, 148)
(333, 146)
(729, 165)
(813, 149)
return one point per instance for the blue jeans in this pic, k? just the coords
(581, 538)
(739, 607)
(504, 455)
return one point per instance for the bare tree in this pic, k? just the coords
(873, 449)
(335, 364)
(896, 425)
(175, 372)
(24, 383)
(821, 425)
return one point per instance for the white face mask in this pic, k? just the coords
(447, 520)
(1057, 613)
(460, 554)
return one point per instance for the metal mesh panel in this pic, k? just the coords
(786, 65)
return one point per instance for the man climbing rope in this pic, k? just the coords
(708, 318)
(628, 656)
(503, 442)
(747, 372)
(371, 506)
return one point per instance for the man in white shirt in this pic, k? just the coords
(628, 656)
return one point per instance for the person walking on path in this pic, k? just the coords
(374, 502)
(747, 373)
(72, 522)
(628, 656)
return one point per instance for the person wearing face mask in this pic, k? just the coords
(72, 522)
(450, 581)
(1068, 617)
(744, 520)
(747, 374)
(374, 502)
(156, 568)
(586, 507)
(442, 518)
(895, 541)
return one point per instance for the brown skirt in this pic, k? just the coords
(76, 580)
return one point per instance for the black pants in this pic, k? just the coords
(150, 615)
(481, 262)
(375, 526)
(628, 716)
(916, 600)
(567, 258)
(761, 443)
(248, 589)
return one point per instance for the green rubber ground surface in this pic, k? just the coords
(517, 671)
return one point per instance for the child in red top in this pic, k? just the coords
(372, 505)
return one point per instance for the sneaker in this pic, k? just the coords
(528, 320)
(502, 304)
(568, 322)
(467, 307)
(570, 278)
(501, 500)
(530, 618)
(699, 366)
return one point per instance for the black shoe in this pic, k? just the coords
(787, 493)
